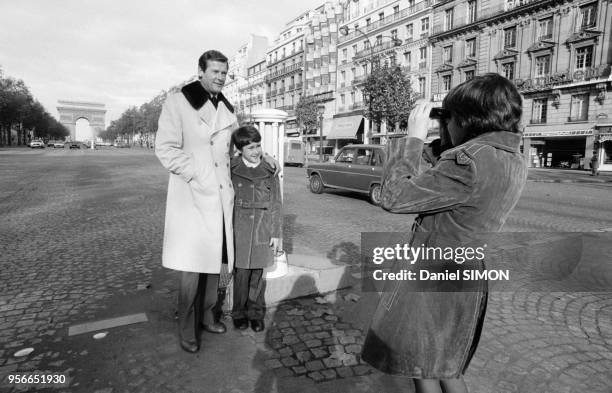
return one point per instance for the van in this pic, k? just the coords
(294, 152)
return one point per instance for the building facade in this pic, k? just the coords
(320, 68)
(557, 53)
(238, 88)
(373, 29)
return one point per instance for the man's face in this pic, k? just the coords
(213, 78)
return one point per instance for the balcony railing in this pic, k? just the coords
(493, 11)
(298, 85)
(537, 121)
(283, 71)
(388, 20)
(375, 49)
(357, 105)
(573, 119)
(359, 79)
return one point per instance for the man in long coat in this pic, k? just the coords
(193, 143)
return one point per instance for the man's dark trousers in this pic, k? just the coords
(197, 298)
(249, 289)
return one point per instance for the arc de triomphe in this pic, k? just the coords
(71, 111)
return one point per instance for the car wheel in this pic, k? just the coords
(375, 192)
(316, 184)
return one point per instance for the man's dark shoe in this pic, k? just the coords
(241, 323)
(190, 346)
(217, 327)
(257, 325)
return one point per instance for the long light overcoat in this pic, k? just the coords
(193, 143)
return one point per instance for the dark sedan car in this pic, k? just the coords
(74, 145)
(355, 168)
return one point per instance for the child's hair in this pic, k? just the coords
(244, 136)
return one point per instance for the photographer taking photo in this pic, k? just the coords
(430, 336)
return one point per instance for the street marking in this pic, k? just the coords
(106, 324)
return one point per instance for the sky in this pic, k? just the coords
(124, 52)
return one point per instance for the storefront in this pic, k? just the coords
(559, 146)
(346, 130)
(605, 148)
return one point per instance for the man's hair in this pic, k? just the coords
(485, 103)
(244, 136)
(211, 55)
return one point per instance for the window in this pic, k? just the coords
(424, 25)
(423, 53)
(381, 16)
(366, 44)
(471, 11)
(378, 40)
(588, 16)
(354, 72)
(407, 58)
(377, 158)
(542, 65)
(396, 9)
(538, 113)
(448, 19)
(508, 70)
(409, 31)
(343, 77)
(470, 48)
(344, 54)
(469, 75)
(579, 107)
(411, 3)
(352, 97)
(364, 69)
(584, 57)
(354, 49)
(447, 54)
(346, 155)
(394, 34)
(392, 60)
(446, 82)
(510, 37)
(342, 99)
(368, 21)
(545, 27)
(422, 86)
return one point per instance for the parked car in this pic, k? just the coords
(74, 145)
(355, 168)
(121, 145)
(58, 144)
(37, 145)
(50, 144)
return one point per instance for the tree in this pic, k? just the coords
(307, 114)
(388, 96)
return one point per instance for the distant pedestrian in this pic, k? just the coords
(595, 164)
(430, 336)
(257, 227)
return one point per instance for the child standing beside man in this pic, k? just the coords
(257, 227)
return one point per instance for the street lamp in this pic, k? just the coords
(344, 30)
(321, 110)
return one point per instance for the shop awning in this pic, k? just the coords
(569, 129)
(345, 127)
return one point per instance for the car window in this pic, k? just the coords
(378, 158)
(363, 156)
(346, 155)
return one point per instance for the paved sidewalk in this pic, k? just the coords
(567, 176)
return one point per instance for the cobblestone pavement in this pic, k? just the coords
(80, 240)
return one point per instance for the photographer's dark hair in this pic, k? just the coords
(485, 103)
(211, 55)
(245, 135)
